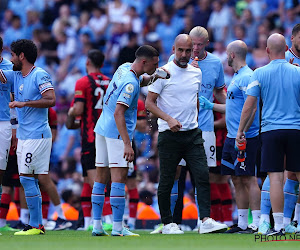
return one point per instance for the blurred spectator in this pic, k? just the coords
(14, 32)
(33, 23)
(219, 21)
(132, 21)
(65, 22)
(127, 54)
(167, 32)
(220, 52)
(259, 53)
(6, 21)
(84, 27)
(188, 25)
(116, 11)
(98, 23)
(250, 24)
(202, 13)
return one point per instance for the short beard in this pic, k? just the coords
(297, 48)
(183, 64)
(17, 67)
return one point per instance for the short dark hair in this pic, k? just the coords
(146, 51)
(27, 47)
(1, 43)
(96, 57)
(296, 29)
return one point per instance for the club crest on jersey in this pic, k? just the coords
(129, 88)
(21, 87)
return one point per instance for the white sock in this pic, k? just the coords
(60, 212)
(87, 222)
(286, 221)
(278, 221)
(117, 226)
(256, 217)
(242, 218)
(264, 217)
(24, 216)
(2, 222)
(44, 221)
(97, 224)
(108, 219)
(199, 222)
(131, 221)
(297, 211)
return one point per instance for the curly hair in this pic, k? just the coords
(27, 47)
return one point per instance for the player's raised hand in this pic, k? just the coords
(174, 125)
(128, 153)
(205, 103)
(291, 61)
(16, 104)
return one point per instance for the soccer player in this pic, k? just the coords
(291, 186)
(114, 131)
(7, 134)
(212, 83)
(243, 177)
(34, 95)
(88, 104)
(179, 136)
(277, 84)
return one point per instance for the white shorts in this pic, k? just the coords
(109, 153)
(209, 147)
(5, 139)
(34, 156)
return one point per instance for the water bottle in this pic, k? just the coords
(162, 73)
(14, 118)
(241, 155)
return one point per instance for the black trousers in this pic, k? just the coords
(172, 147)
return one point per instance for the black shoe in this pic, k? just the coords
(233, 230)
(274, 232)
(251, 229)
(62, 224)
(43, 231)
(19, 225)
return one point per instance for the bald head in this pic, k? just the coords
(239, 48)
(182, 49)
(276, 44)
(182, 39)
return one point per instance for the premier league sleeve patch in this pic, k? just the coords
(129, 88)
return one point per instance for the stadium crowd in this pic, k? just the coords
(64, 31)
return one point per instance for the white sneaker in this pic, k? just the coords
(171, 228)
(210, 226)
(158, 229)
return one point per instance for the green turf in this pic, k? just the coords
(188, 241)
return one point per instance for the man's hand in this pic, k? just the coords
(174, 125)
(205, 103)
(128, 152)
(16, 104)
(71, 112)
(240, 138)
(195, 63)
(292, 60)
(14, 140)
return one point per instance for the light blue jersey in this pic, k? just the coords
(236, 98)
(124, 88)
(290, 55)
(212, 77)
(5, 90)
(33, 121)
(278, 86)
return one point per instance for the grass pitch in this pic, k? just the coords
(56, 240)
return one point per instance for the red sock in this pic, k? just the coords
(4, 206)
(133, 202)
(45, 204)
(215, 200)
(86, 203)
(17, 199)
(226, 201)
(106, 207)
